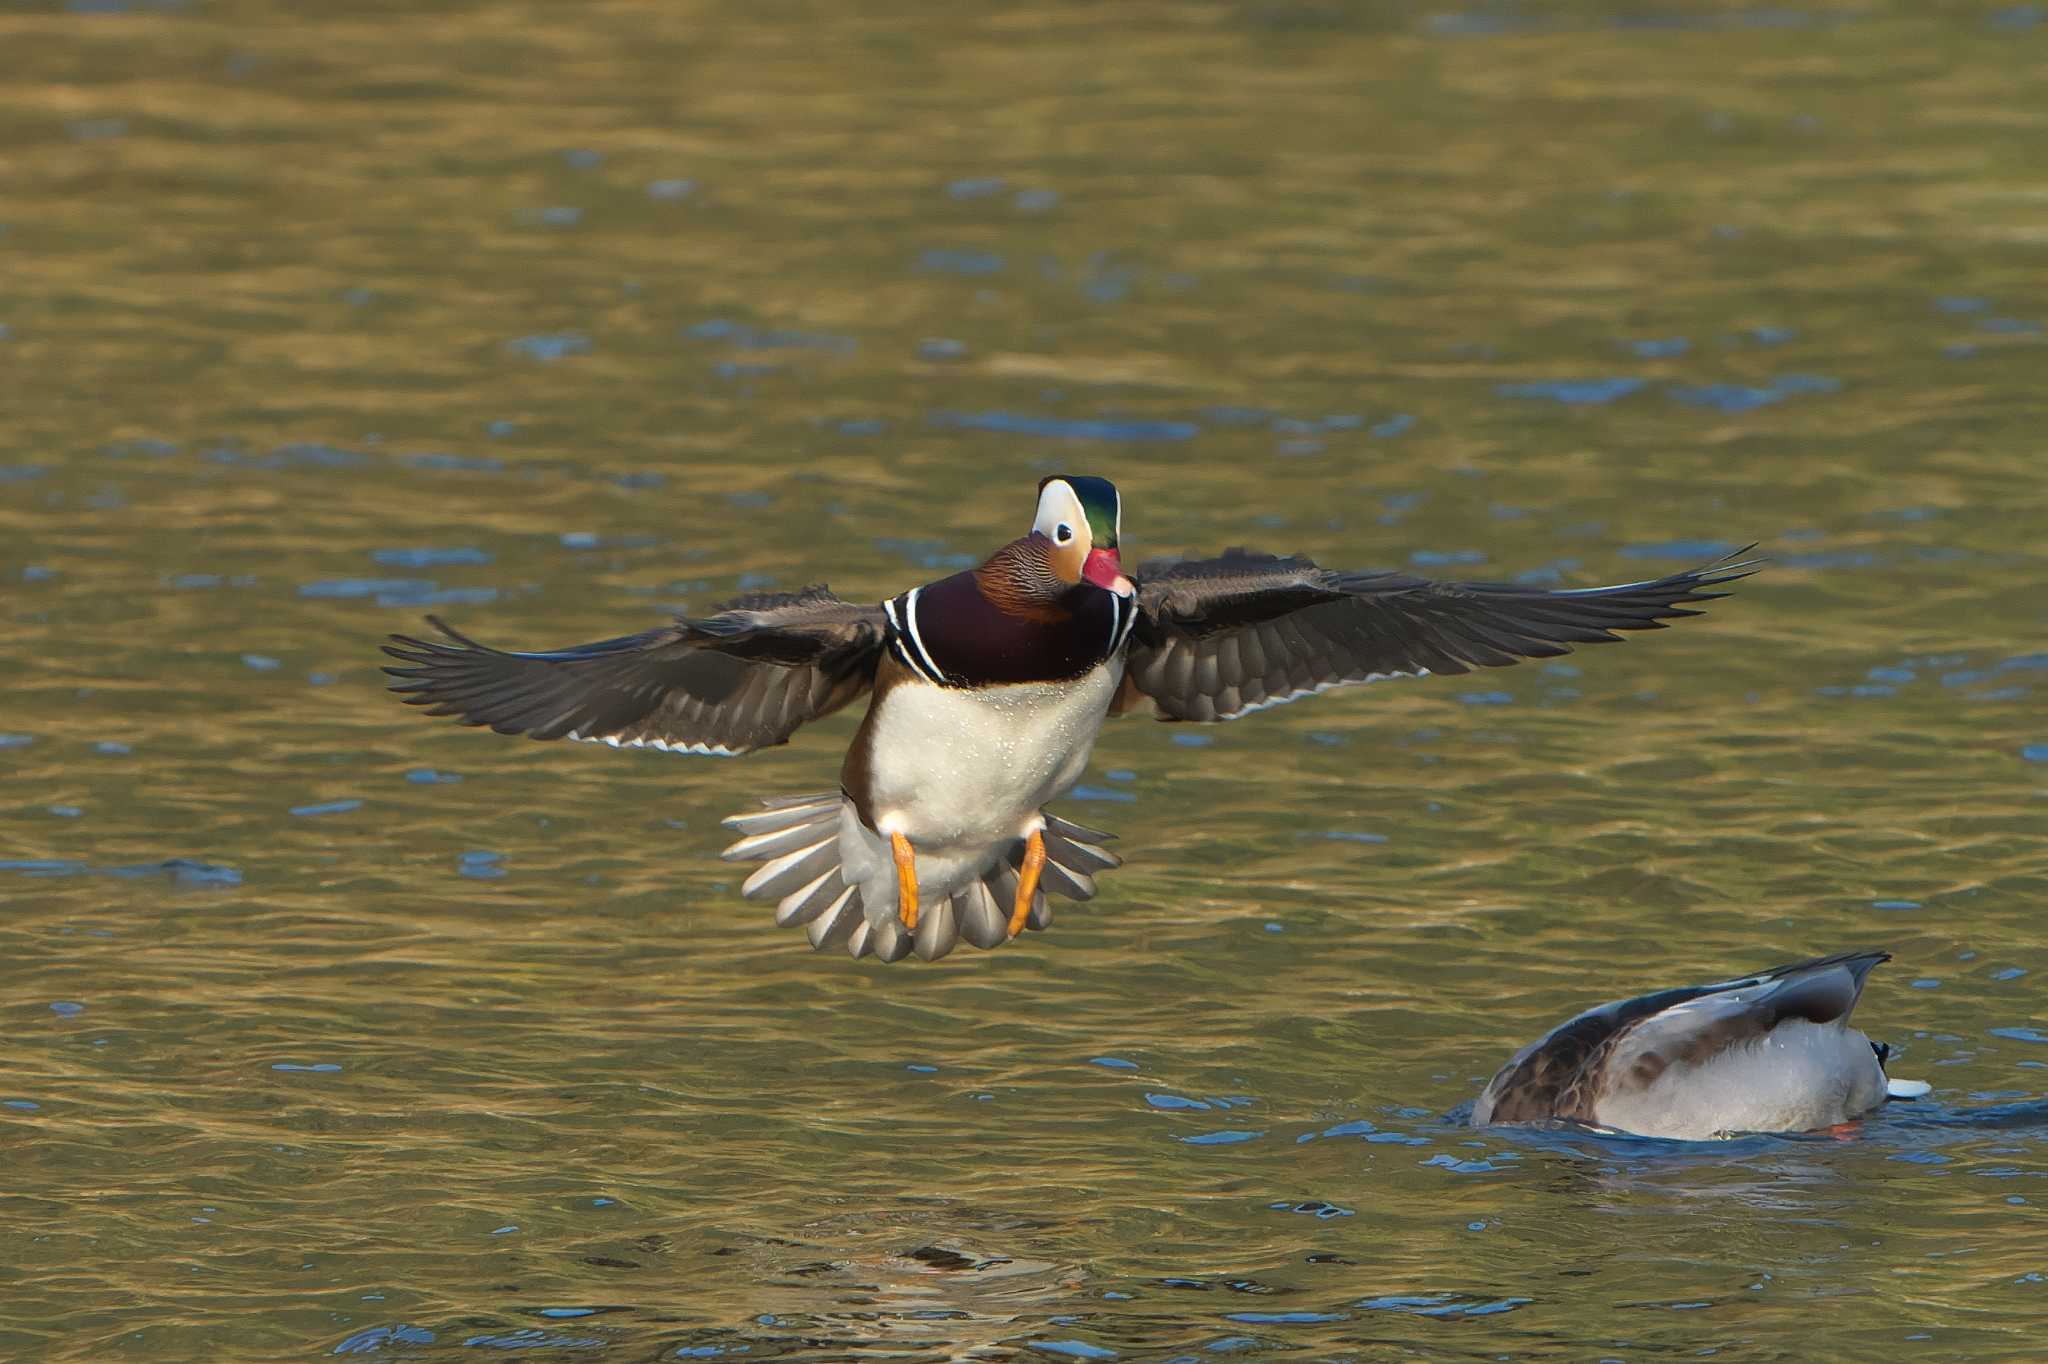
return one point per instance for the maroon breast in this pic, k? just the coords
(972, 642)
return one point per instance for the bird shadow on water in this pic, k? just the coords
(938, 1279)
(934, 1281)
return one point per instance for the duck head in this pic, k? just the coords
(1078, 520)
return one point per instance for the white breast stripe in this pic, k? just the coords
(900, 638)
(1126, 617)
(930, 669)
(896, 645)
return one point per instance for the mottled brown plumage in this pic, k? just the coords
(1613, 1059)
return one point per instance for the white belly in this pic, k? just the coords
(963, 772)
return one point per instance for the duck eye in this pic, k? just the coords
(1064, 533)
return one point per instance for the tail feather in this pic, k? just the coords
(774, 843)
(1079, 833)
(1075, 885)
(937, 933)
(821, 896)
(779, 876)
(883, 937)
(981, 917)
(999, 887)
(1080, 856)
(795, 839)
(781, 814)
(837, 924)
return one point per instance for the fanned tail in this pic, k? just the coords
(796, 841)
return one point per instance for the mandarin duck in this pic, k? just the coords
(1772, 1052)
(986, 692)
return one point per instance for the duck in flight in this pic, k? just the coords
(987, 690)
(1772, 1052)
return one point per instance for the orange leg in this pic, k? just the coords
(906, 881)
(1027, 881)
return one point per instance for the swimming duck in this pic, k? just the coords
(1772, 1052)
(987, 690)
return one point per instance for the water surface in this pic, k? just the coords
(331, 1029)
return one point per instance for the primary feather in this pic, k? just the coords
(742, 679)
(1219, 638)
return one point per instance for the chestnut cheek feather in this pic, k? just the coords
(1068, 562)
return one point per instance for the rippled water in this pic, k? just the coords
(331, 1029)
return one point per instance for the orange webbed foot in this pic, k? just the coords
(1027, 881)
(906, 881)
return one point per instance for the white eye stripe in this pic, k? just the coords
(1058, 508)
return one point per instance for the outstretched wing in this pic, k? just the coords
(742, 679)
(1219, 638)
